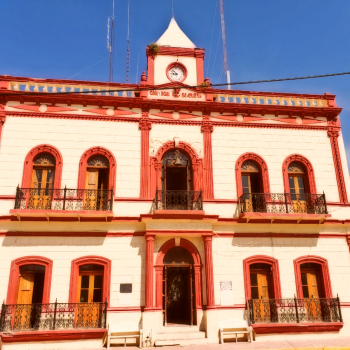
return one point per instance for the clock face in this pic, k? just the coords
(176, 73)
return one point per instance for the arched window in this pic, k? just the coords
(176, 171)
(252, 175)
(43, 169)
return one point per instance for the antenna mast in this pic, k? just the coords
(227, 72)
(110, 43)
(127, 48)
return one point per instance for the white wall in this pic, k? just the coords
(229, 253)
(72, 138)
(273, 145)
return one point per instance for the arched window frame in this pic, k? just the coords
(156, 166)
(313, 259)
(74, 276)
(189, 246)
(310, 174)
(83, 166)
(262, 259)
(263, 168)
(12, 289)
(29, 162)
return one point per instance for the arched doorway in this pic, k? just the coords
(96, 184)
(42, 181)
(177, 185)
(178, 282)
(252, 186)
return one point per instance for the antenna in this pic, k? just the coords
(172, 8)
(110, 43)
(137, 68)
(127, 47)
(227, 72)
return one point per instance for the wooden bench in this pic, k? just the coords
(124, 330)
(235, 326)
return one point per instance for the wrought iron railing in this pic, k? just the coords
(64, 199)
(294, 310)
(178, 200)
(282, 203)
(54, 316)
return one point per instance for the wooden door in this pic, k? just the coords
(260, 285)
(192, 296)
(24, 297)
(297, 192)
(42, 188)
(89, 311)
(309, 279)
(91, 187)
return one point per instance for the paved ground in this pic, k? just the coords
(320, 344)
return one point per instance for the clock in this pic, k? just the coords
(176, 72)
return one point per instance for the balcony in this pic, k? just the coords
(282, 206)
(54, 316)
(178, 200)
(67, 202)
(294, 314)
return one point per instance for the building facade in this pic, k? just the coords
(169, 203)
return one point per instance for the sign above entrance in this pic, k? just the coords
(176, 94)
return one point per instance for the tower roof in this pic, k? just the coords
(175, 37)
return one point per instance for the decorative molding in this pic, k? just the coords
(184, 226)
(74, 276)
(208, 181)
(156, 143)
(209, 271)
(149, 271)
(326, 280)
(14, 277)
(110, 111)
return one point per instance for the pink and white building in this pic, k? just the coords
(167, 204)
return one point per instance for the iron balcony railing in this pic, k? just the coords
(294, 310)
(178, 200)
(282, 203)
(64, 199)
(54, 316)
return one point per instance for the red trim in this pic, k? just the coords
(112, 166)
(156, 163)
(150, 69)
(190, 247)
(36, 108)
(14, 277)
(200, 68)
(74, 276)
(149, 271)
(7, 197)
(28, 164)
(145, 126)
(62, 335)
(176, 64)
(333, 134)
(2, 109)
(263, 168)
(209, 271)
(326, 280)
(208, 181)
(262, 259)
(308, 167)
(297, 327)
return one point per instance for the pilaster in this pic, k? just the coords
(333, 134)
(2, 118)
(149, 271)
(208, 185)
(145, 126)
(208, 248)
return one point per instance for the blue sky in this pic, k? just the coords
(265, 39)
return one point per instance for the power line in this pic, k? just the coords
(137, 89)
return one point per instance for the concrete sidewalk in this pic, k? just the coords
(320, 344)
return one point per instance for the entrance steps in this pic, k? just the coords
(180, 335)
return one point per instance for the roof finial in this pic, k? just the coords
(172, 8)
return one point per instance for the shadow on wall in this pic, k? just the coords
(267, 240)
